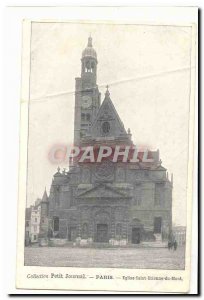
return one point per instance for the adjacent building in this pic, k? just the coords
(36, 222)
(27, 225)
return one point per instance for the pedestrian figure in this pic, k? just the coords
(175, 245)
(170, 245)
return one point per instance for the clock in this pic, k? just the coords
(86, 101)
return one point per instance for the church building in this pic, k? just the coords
(119, 203)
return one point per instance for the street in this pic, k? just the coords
(138, 258)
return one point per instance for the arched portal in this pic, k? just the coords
(136, 231)
(102, 227)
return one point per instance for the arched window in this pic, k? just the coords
(85, 231)
(88, 67)
(106, 127)
(55, 223)
(92, 66)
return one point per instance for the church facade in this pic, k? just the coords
(119, 203)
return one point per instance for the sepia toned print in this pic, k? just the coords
(98, 202)
(107, 151)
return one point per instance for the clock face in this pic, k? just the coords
(86, 101)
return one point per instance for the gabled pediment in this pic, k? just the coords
(107, 122)
(102, 191)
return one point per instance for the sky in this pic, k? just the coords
(147, 68)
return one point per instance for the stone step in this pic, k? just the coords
(156, 244)
(158, 237)
(65, 243)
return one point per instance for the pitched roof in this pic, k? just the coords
(108, 113)
(45, 196)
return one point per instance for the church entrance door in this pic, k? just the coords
(136, 235)
(102, 233)
(157, 224)
(72, 233)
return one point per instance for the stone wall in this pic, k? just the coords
(130, 195)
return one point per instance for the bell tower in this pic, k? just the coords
(87, 95)
(89, 66)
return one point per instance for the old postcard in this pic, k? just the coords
(107, 152)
